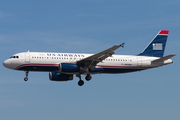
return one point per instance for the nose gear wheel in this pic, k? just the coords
(26, 78)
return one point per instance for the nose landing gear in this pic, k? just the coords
(26, 78)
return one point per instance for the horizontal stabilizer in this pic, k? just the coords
(164, 58)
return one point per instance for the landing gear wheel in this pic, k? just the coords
(81, 82)
(26, 78)
(88, 77)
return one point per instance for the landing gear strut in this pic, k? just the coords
(81, 82)
(26, 78)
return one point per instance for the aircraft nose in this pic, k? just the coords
(9, 64)
(6, 64)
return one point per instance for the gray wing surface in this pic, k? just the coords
(91, 61)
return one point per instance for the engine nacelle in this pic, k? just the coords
(53, 76)
(69, 68)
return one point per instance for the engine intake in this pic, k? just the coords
(54, 76)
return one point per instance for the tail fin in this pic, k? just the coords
(157, 46)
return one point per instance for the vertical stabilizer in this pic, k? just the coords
(157, 46)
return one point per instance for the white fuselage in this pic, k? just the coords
(49, 62)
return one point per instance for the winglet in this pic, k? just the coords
(122, 45)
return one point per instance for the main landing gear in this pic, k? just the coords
(88, 77)
(26, 78)
(81, 82)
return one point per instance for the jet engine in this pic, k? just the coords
(69, 68)
(54, 76)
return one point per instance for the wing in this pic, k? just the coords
(91, 61)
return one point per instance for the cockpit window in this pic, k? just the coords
(14, 57)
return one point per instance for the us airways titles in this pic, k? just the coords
(65, 55)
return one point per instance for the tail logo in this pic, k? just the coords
(157, 46)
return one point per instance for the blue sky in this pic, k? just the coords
(89, 26)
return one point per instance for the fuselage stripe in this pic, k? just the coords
(133, 67)
(102, 66)
(36, 64)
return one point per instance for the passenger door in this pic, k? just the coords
(27, 57)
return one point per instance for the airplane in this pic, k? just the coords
(62, 66)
